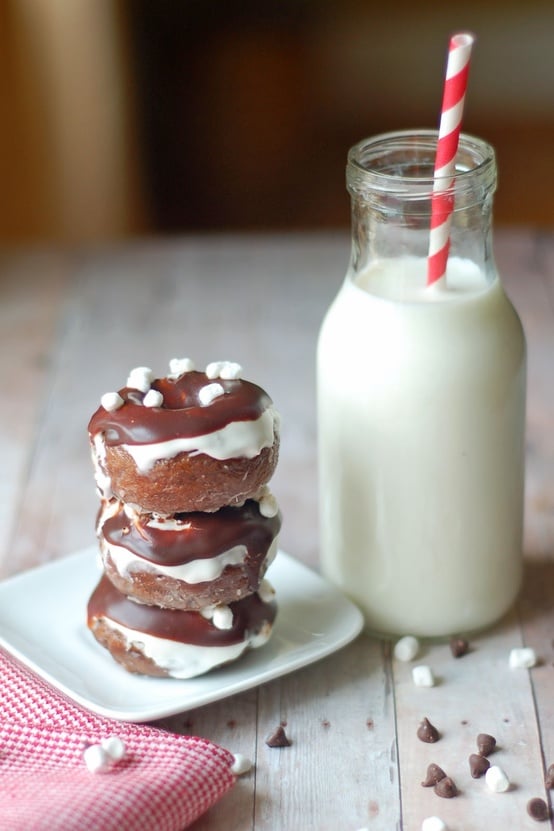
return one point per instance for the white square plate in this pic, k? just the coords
(43, 625)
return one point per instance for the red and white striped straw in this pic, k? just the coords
(442, 202)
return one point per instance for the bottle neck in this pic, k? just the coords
(390, 180)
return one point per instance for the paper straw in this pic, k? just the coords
(442, 202)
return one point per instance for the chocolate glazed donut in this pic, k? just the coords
(170, 642)
(190, 560)
(207, 443)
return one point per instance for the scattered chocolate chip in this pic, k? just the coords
(478, 765)
(549, 778)
(369, 724)
(434, 774)
(459, 647)
(538, 809)
(446, 788)
(485, 744)
(278, 738)
(325, 723)
(426, 732)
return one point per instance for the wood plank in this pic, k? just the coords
(470, 698)
(523, 272)
(534, 299)
(32, 290)
(341, 769)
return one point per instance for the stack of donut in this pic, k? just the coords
(187, 526)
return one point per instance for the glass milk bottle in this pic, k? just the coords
(421, 402)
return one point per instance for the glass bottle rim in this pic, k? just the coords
(401, 163)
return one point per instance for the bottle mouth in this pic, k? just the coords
(402, 164)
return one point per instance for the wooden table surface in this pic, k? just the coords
(74, 323)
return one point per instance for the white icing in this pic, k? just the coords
(140, 378)
(111, 401)
(103, 481)
(179, 659)
(209, 393)
(153, 398)
(197, 571)
(239, 439)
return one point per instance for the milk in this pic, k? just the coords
(421, 416)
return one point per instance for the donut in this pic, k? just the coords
(192, 560)
(190, 441)
(175, 643)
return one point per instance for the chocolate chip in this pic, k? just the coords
(446, 788)
(278, 738)
(478, 765)
(426, 732)
(549, 778)
(459, 647)
(538, 809)
(434, 774)
(485, 744)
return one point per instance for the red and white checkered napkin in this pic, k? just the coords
(164, 782)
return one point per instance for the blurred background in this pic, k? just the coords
(142, 117)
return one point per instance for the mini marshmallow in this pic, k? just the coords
(496, 779)
(222, 617)
(178, 367)
(422, 676)
(153, 398)
(213, 369)
(268, 505)
(228, 370)
(209, 393)
(140, 378)
(406, 648)
(114, 747)
(241, 764)
(111, 401)
(433, 824)
(96, 759)
(522, 658)
(266, 592)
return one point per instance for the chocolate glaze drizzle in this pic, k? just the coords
(199, 536)
(181, 414)
(249, 615)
